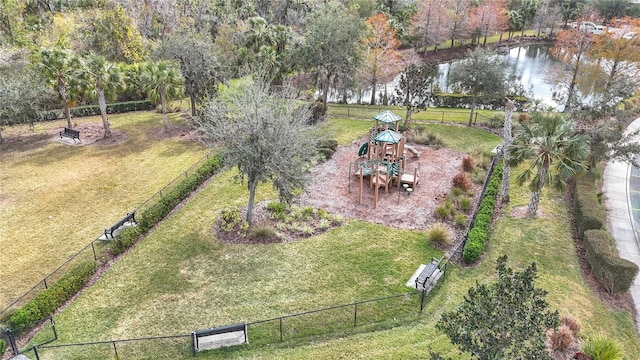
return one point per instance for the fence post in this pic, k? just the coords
(114, 349)
(45, 283)
(53, 327)
(94, 252)
(475, 121)
(442, 118)
(355, 314)
(280, 329)
(12, 342)
(35, 351)
(422, 300)
(348, 111)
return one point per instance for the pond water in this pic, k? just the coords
(527, 65)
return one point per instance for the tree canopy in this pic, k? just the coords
(481, 73)
(506, 319)
(265, 134)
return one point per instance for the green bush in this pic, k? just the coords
(479, 232)
(614, 273)
(277, 210)
(125, 239)
(171, 198)
(3, 347)
(588, 211)
(601, 348)
(45, 303)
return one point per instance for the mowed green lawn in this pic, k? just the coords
(180, 278)
(55, 199)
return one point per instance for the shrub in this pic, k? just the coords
(325, 153)
(461, 220)
(92, 110)
(468, 164)
(445, 211)
(572, 324)
(462, 181)
(337, 219)
(587, 209)
(323, 224)
(171, 198)
(277, 210)
(465, 203)
(614, 273)
(561, 342)
(456, 191)
(601, 348)
(581, 356)
(125, 239)
(479, 233)
(262, 233)
(45, 303)
(440, 234)
(230, 219)
(3, 347)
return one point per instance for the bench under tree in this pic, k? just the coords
(129, 218)
(70, 133)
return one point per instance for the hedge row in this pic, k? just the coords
(91, 110)
(480, 228)
(464, 101)
(45, 303)
(614, 273)
(587, 210)
(169, 200)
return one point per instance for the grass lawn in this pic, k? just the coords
(55, 199)
(179, 279)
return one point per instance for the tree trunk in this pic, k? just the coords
(473, 108)
(163, 100)
(532, 209)
(62, 88)
(325, 95)
(535, 196)
(102, 103)
(508, 140)
(407, 117)
(252, 184)
(193, 104)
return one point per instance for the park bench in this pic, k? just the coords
(427, 273)
(73, 134)
(129, 218)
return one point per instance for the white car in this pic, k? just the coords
(588, 26)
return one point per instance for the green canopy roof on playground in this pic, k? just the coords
(389, 136)
(387, 117)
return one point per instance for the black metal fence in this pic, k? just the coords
(340, 320)
(97, 249)
(425, 116)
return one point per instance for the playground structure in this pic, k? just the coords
(383, 159)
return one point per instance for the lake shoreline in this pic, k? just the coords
(442, 56)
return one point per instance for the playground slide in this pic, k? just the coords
(412, 150)
(363, 149)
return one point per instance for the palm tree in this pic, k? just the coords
(102, 80)
(162, 82)
(59, 65)
(552, 151)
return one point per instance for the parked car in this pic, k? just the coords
(590, 27)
